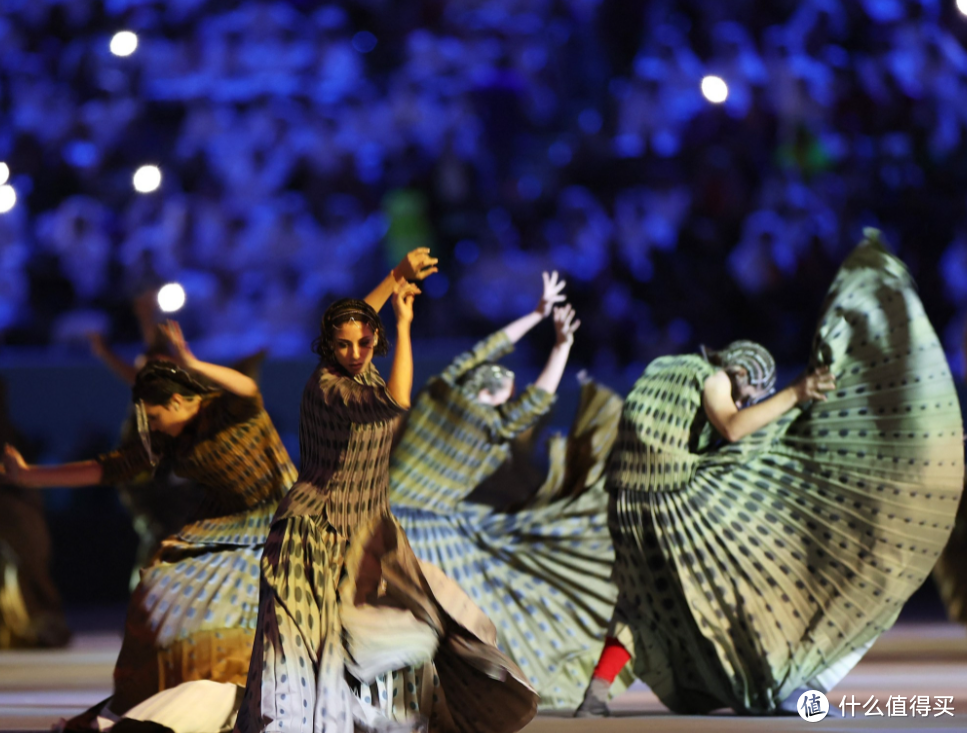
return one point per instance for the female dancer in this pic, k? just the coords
(762, 551)
(192, 616)
(540, 572)
(353, 632)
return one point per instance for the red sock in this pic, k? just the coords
(612, 661)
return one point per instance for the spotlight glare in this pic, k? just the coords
(171, 297)
(147, 179)
(124, 43)
(962, 6)
(4, 173)
(8, 199)
(715, 90)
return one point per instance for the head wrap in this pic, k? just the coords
(488, 376)
(755, 359)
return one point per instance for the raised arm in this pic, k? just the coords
(223, 377)
(564, 325)
(552, 294)
(124, 370)
(417, 265)
(734, 424)
(69, 475)
(400, 383)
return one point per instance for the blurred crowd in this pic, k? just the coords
(304, 148)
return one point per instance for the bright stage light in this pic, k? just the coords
(714, 89)
(8, 199)
(147, 179)
(124, 43)
(4, 173)
(962, 6)
(171, 297)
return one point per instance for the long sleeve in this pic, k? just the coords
(521, 413)
(355, 402)
(124, 464)
(490, 349)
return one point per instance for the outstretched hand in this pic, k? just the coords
(403, 295)
(814, 385)
(552, 294)
(417, 265)
(180, 353)
(565, 324)
(13, 464)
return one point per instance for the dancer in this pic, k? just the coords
(159, 502)
(354, 633)
(763, 546)
(192, 616)
(542, 571)
(31, 614)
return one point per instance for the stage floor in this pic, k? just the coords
(39, 687)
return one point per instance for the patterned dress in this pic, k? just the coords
(751, 569)
(542, 571)
(192, 616)
(354, 632)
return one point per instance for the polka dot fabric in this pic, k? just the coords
(748, 570)
(540, 572)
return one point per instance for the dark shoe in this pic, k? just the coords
(595, 703)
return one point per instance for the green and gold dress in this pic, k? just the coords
(540, 571)
(749, 570)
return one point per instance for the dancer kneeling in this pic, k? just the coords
(763, 546)
(354, 632)
(192, 616)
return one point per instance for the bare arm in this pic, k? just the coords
(565, 326)
(69, 475)
(516, 330)
(734, 424)
(417, 265)
(127, 372)
(400, 384)
(224, 377)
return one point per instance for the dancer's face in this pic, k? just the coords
(353, 343)
(172, 418)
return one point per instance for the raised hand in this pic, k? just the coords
(552, 294)
(417, 265)
(403, 296)
(180, 353)
(565, 324)
(814, 385)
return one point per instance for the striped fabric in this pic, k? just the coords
(345, 433)
(354, 633)
(451, 442)
(192, 616)
(541, 571)
(751, 569)
(234, 452)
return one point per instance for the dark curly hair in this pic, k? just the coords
(343, 311)
(158, 381)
